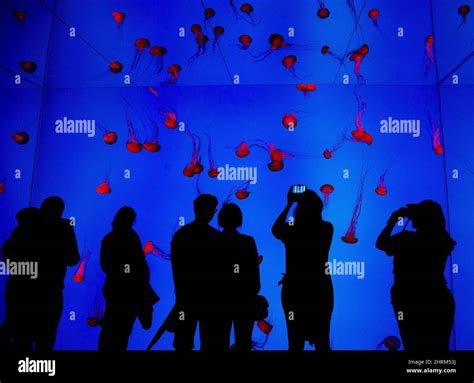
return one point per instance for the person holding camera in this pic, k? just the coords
(423, 304)
(307, 294)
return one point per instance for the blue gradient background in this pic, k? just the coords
(73, 80)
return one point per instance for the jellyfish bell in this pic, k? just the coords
(110, 138)
(188, 171)
(151, 147)
(134, 147)
(289, 61)
(323, 13)
(246, 8)
(103, 188)
(158, 51)
(463, 10)
(142, 43)
(196, 29)
(438, 149)
(276, 41)
(306, 88)
(170, 120)
(362, 136)
(119, 17)
(28, 66)
(325, 49)
(374, 14)
(245, 40)
(218, 31)
(20, 16)
(289, 121)
(198, 168)
(21, 138)
(213, 173)
(326, 189)
(350, 239)
(265, 327)
(209, 13)
(242, 194)
(275, 166)
(392, 343)
(115, 66)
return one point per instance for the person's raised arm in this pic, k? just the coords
(383, 241)
(280, 224)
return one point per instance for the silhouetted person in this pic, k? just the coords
(198, 270)
(242, 275)
(16, 331)
(423, 305)
(307, 294)
(127, 291)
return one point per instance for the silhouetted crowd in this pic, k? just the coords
(217, 279)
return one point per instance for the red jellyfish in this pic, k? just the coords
(306, 88)
(326, 189)
(374, 16)
(21, 138)
(2, 185)
(350, 236)
(20, 16)
(242, 150)
(170, 120)
(328, 153)
(173, 70)
(463, 11)
(209, 13)
(119, 17)
(436, 137)
(325, 50)
(157, 53)
(195, 166)
(381, 188)
(80, 274)
(357, 56)
(242, 192)
(96, 317)
(151, 248)
(201, 41)
(218, 32)
(28, 66)
(276, 156)
(213, 171)
(196, 29)
(152, 145)
(429, 60)
(323, 12)
(289, 63)
(104, 187)
(245, 42)
(110, 138)
(133, 144)
(115, 67)
(140, 45)
(266, 328)
(289, 121)
(391, 343)
(247, 10)
(360, 135)
(276, 42)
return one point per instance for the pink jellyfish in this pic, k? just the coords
(151, 248)
(436, 137)
(96, 317)
(326, 189)
(242, 150)
(104, 187)
(328, 153)
(119, 17)
(242, 192)
(140, 45)
(429, 60)
(360, 135)
(357, 56)
(350, 236)
(195, 166)
(152, 144)
(213, 171)
(133, 144)
(381, 188)
(80, 274)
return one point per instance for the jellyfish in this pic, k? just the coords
(243, 150)
(20, 16)
(213, 171)
(170, 120)
(152, 145)
(140, 45)
(265, 327)
(195, 166)
(381, 188)
(391, 343)
(151, 248)
(325, 50)
(463, 11)
(201, 41)
(209, 13)
(153, 91)
(326, 189)
(104, 187)
(357, 56)
(242, 192)
(157, 52)
(80, 274)
(28, 66)
(2, 185)
(96, 317)
(429, 60)
(174, 71)
(289, 121)
(306, 88)
(350, 236)
(133, 144)
(245, 42)
(21, 138)
(119, 17)
(289, 63)
(360, 135)
(276, 42)
(247, 10)
(328, 153)
(110, 138)
(323, 12)
(115, 67)
(374, 16)
(436, 137)
(276, 155)
(218, 32)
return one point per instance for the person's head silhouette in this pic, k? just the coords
(27, 216)
(205, 207)
(428, 216)
(230, 217)
(53, 207)
(309, 209)
(124, 219)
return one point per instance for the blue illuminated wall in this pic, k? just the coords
(229, 96)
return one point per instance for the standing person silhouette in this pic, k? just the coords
(423, 304)
(307, 293)
(198, 270)
(127, 291)
(243, 276)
